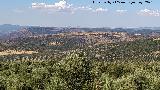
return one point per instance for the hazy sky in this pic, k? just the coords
(81, 13)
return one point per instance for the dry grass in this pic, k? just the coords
(14, 52)
(55, 44)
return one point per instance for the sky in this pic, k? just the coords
(80, 13)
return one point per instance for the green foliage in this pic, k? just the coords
(77, 72)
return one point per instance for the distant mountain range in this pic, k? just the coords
(15, 31)
(6, 28)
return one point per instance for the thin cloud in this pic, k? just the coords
(121, 11)
(60, 6)
(100, 10)
(148, 12)
(18, 11)
(63, 6)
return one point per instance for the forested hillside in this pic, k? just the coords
(68, 62)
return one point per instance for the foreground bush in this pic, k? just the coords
(78, 72)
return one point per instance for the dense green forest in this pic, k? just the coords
(78, 72)
(80, 65)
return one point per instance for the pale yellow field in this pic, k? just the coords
(14, 52)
